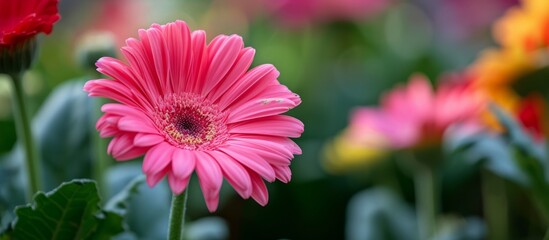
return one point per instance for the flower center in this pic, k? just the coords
(191, 122)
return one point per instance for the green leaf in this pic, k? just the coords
(529, 155)
(517, 136)
(111, 224)
(379, 214)
(487, 150)
(143, 222)
(119, 202)
(70, 211)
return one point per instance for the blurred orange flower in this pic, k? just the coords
(525, 26)
(523, 33)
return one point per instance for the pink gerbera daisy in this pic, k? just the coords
(187, 105)
(416, 115)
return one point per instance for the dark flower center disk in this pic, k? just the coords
(191, 122)
(189, 125)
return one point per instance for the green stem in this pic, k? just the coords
(177, 216)
(426, 202)
(101, 156)
(542, 201)
(22, 122)
(495, 206)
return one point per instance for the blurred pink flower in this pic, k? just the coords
(415, 115)
(460, 19)
(352, 9)
(191, 106)
(294, 13)
(21, 20)
(297, 13)
(119, 17)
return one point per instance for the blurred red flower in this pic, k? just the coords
(20, 20)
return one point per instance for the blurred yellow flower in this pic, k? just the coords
(349, 151)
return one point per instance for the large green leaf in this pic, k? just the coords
(62, 131)
(70, 211)
(63, 128)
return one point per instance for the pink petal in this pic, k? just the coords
(268, 155)
(183, 163)
(159, 57)
(108, 131)
(157, 158)
(283, 173)
(252, 161)
(274, 142)
(123, 110)
(132, 124)
(277, 90)
(179, 40)
(248, 141)
(177, 185)
(107, 125)
(210, 179)
(135, 55)
(224, 56)
(153, 179)
(279, 125)
(260, 193)
(119, 71)
(120, 144)
(235, 174)
(109, 89)
(239, 68)
(132, 153)
(259, 108)
(199, 61)
(147, 140)
(249, 79)
(258, 89)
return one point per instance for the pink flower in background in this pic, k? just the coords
(298, 13)
(23, 19)
(415, 115)
(352, 9)
(294, 13)
(120, 18)
(191, 106)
